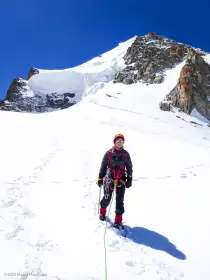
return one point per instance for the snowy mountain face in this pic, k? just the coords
(49, 200)
(142, 59)
(50, 90)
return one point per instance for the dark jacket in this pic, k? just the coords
(118, 158)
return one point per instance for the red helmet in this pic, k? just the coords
(119, 135)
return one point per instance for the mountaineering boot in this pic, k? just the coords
(118, 220)
(102, 216)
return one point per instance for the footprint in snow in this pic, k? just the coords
(46, 245)
(14, 233)
(5, 204)
(130, 263)
(114, 243)
(166, 272)
(27, 213)
(193, 173)
(185, 175)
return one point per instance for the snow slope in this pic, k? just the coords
(84, 79)
(49, 227)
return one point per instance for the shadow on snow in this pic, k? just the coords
(153, 240)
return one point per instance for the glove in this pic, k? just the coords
(128, 183)
(99, 182)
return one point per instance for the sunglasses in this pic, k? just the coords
(120, 140)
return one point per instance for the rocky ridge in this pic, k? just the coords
(148, 57)
(151, 55)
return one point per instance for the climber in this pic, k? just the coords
(115, 171)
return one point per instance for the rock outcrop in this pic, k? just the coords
(16, 90)
(33, 71)
(193, 87)
(148, 57)
(20, 98)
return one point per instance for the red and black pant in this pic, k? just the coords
(108, 192)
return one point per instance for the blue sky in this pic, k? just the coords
(51, 34)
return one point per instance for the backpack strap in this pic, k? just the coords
(125, 157)
(109, 156)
